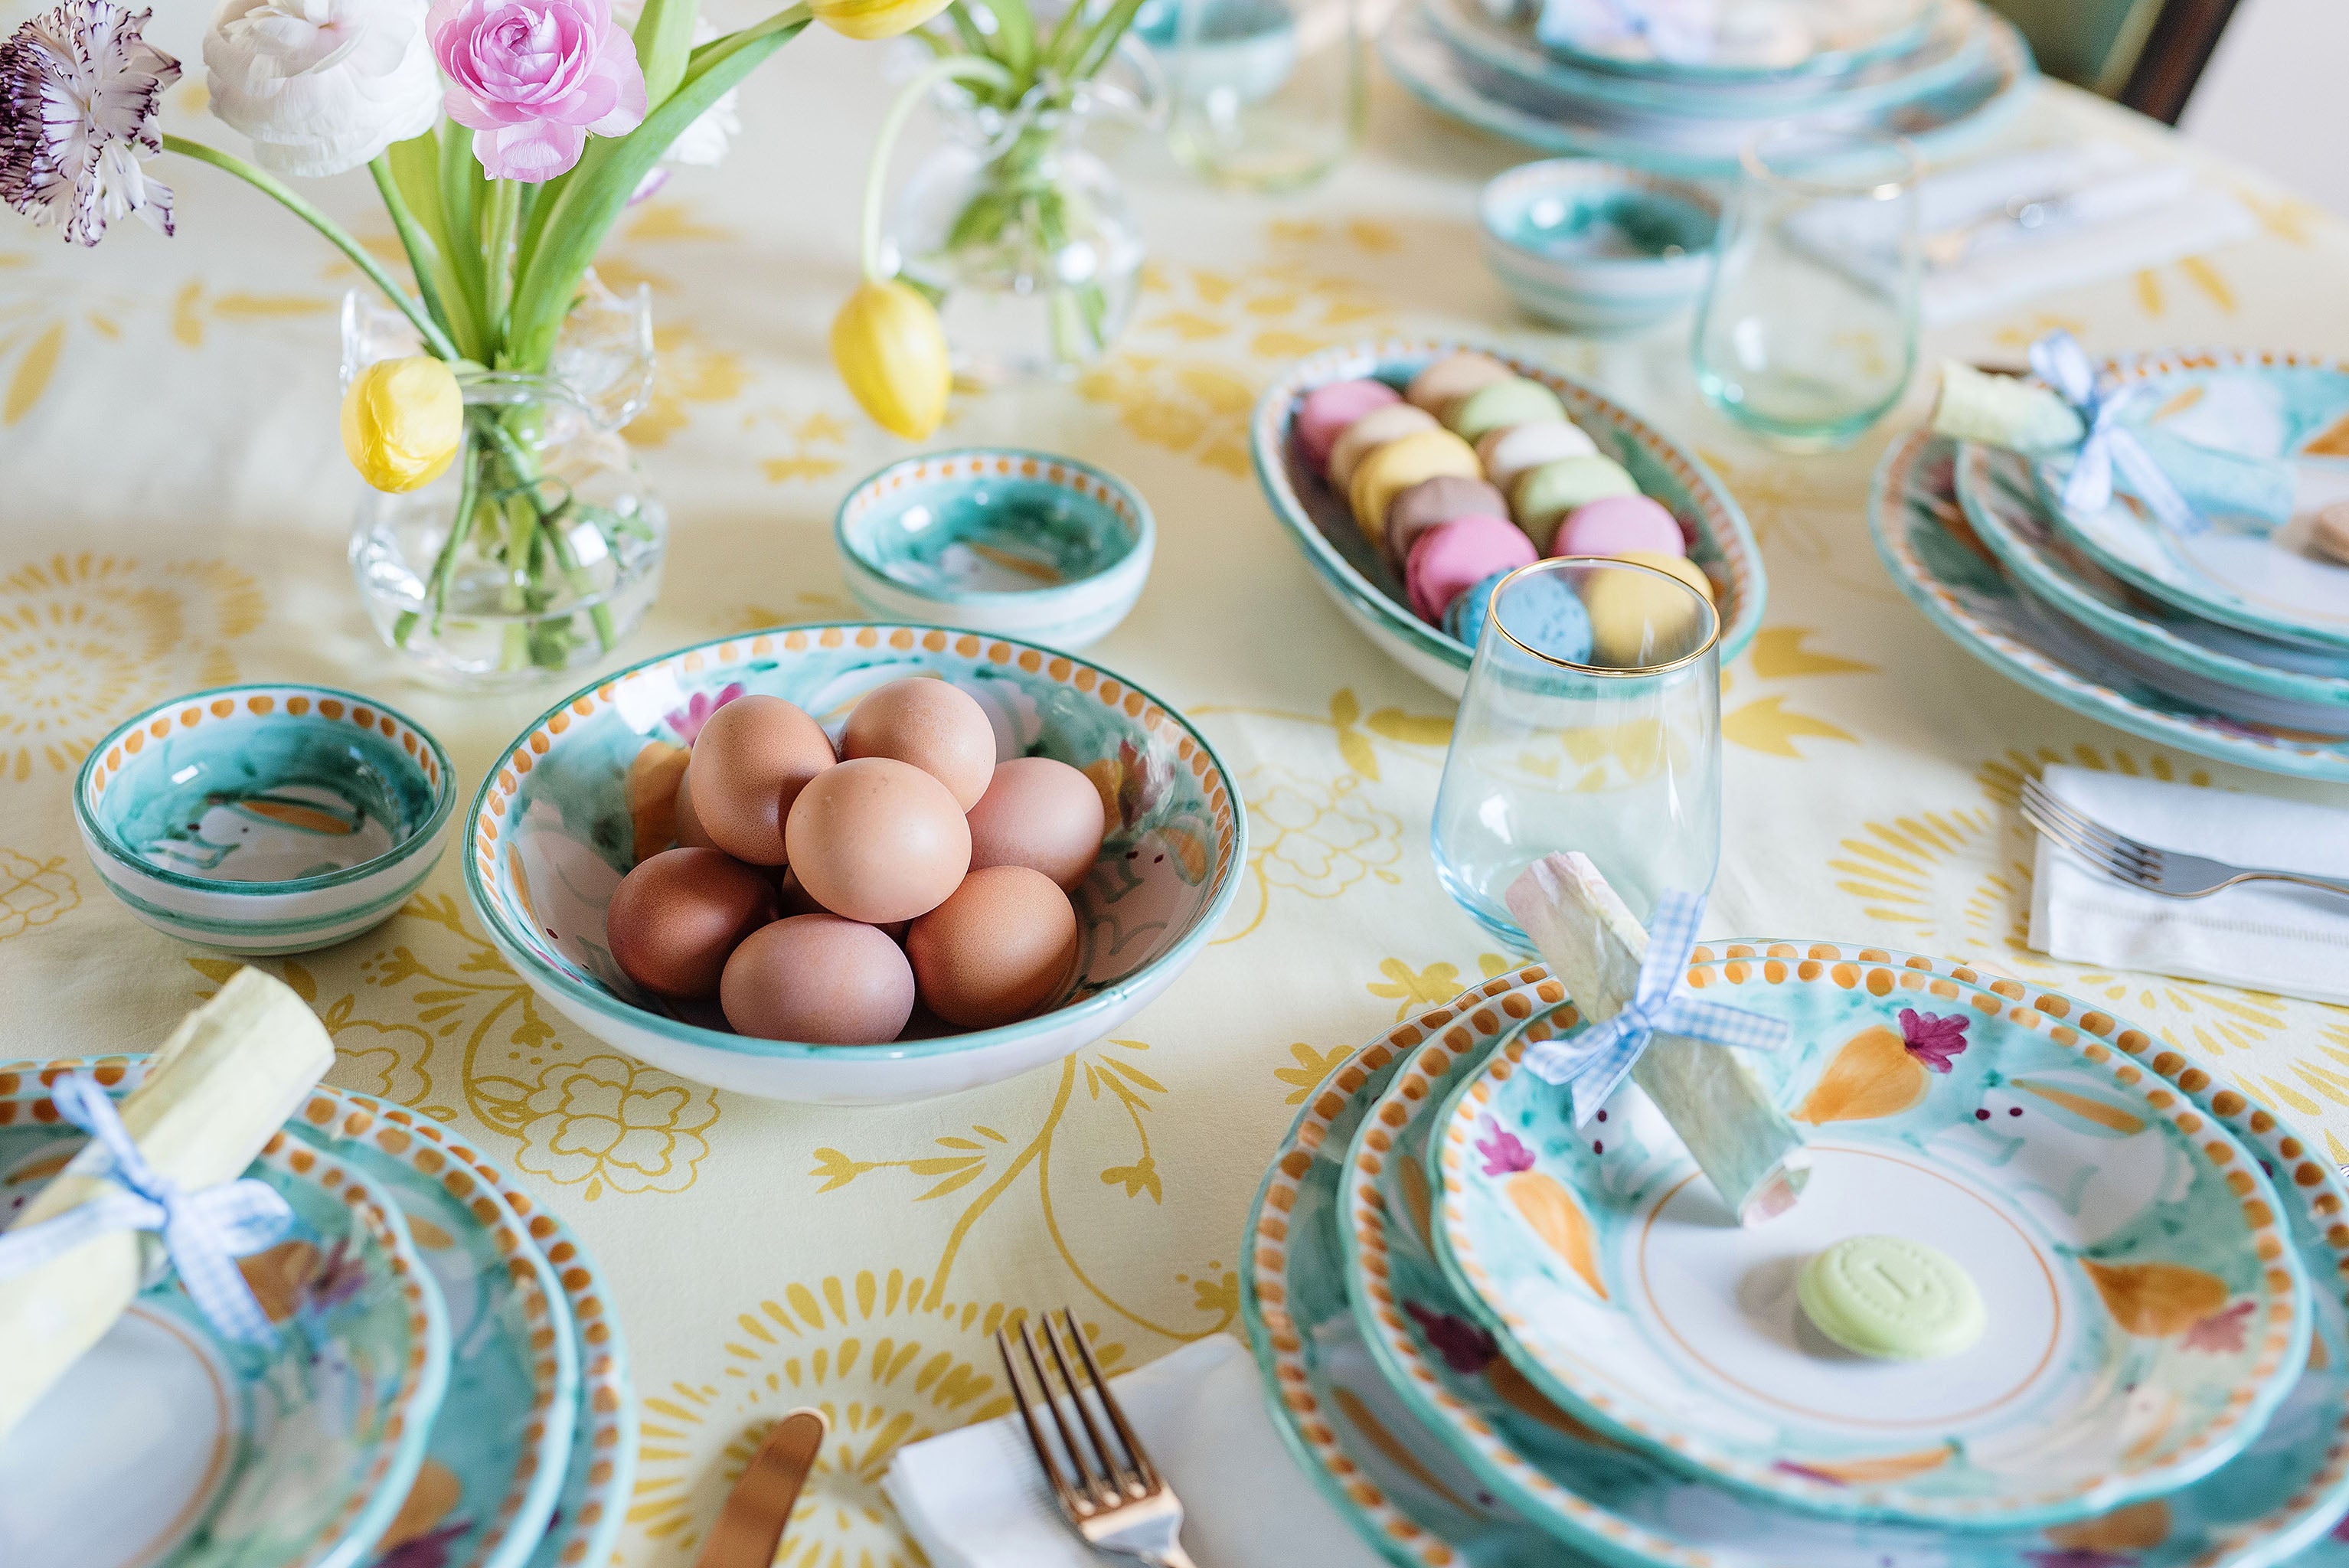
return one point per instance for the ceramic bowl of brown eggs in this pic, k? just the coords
(854, 865)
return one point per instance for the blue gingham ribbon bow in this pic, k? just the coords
(1596, 1060)
(2060, 361)
(204, 1233)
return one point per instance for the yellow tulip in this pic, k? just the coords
(889, 346)
(874, 18)
(403, 421)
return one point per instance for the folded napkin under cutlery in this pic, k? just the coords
(2007, 228)
(2262, 936)
(976, 1499)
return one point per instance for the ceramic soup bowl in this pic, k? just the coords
(265, 819)
(996, 540)
(589, 789)
(1598, 247)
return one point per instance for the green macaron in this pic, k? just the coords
(1544, 496)
(1497, 405)
(1892, 1298)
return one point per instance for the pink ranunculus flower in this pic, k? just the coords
(533, 78)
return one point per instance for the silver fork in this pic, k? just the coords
(2125, 860)
(1117, 1499)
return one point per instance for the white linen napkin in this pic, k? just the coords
(976, 1499)
(2124, 213)
(2264, 936)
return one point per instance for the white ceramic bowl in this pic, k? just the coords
(1598, 247)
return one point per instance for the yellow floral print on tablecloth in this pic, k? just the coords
(687, 369)
(1313, 836)
(87, 640)
(888, 1362)
(33, 894)
(603, 1121)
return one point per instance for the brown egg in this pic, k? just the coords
(938, 727)
(998, 949)
(750, 763)
(818, 978)
(877, 839)
(792, 898)
(1042, 814)
(690, 833)
(674, 918)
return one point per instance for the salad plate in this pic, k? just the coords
(2146, 1312)
(170, 1445)
(1924, 540)
(1624, 1505)
(2258, 574)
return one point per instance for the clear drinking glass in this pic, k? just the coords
(1606, 741)
(1267, 94)
(1807, 332)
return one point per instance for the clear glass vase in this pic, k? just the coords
(1022, 236)
(540, 549)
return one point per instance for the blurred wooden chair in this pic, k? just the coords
(2146, 54)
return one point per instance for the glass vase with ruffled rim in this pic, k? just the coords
(540, 550)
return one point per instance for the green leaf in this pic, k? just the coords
(1015, 31)
(461, 185)
(664, 38)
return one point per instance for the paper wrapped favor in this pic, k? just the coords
(214, 1093)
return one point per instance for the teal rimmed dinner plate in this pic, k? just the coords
(1623, 1505)
(1750, 40)
(2237, 569)
(1350, 1432)
(168, 1446)
(1935, 560)
(2146, 1310)
(2004, 505)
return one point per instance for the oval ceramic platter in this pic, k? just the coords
(1621, 1504)
(1940, 121)
(1407, 1495)
(1355, 574)
(167, 1446)
(1922, 535)
(2146, 1310)
(1743, 40)
(2001, 503)
(2261, 576)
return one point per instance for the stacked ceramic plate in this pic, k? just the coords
(1584, 77)
(1494, 1338)
(2228, 636)
(449, 1389)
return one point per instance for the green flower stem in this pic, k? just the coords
(498, 256)
(520, 464)
(434, 281)
(953, 68)
(435, 338)
(1101, 42)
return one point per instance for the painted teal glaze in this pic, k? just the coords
(1774, 39)
(1357, 574)
(1910, 507)
(590, 1508)
(2020, 1147)
(2240, 572)
(1941, 122)
(1421, 1482)
(564, 835)
(315, 1432)
(1626, 1507)
(1597, 245)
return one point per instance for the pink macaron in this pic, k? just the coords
(1453, 557)
(1619, 525)
(1328, 410)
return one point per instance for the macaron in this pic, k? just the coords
(1635, 620)
(1543, 614)
(1328, 410)
(1454, 376)
(1497, 405)
(1398, 465)
(1517, 449)
(1541, 499)
(1431, 501)
(1891, 1297)
(1617, 525)
(1391, 422)
(1453, 557)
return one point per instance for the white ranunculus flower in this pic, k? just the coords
(322, 85)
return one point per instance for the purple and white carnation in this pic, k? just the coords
(78, 92)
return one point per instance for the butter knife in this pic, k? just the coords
(750, 1526)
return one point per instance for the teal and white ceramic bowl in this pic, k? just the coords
(589, 789)
(996, 540)
(1598, 247)
(265, 819)
(1366, 587)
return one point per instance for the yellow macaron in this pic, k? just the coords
(1395, 467)
(1635, 621)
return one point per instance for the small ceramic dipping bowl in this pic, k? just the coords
(1598, 247)
(265, 819)
(997, 540)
